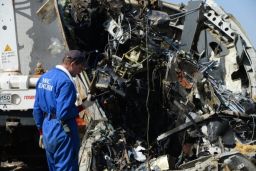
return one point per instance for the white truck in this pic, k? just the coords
(25, 43)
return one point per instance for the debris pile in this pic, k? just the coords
(177, 83)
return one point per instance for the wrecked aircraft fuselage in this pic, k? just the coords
(176, 85)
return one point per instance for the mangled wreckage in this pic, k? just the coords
(174, 86)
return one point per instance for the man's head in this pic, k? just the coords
(74, 61)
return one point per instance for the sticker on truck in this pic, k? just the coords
(5, 99)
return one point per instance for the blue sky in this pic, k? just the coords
(243, 10)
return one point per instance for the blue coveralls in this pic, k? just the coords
(55, 104)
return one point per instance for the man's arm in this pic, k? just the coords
(38, 114)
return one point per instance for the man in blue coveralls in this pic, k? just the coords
(55, 112)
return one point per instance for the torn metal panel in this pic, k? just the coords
(220, 23)
(232, 22)
(191, 23)
(214, 44)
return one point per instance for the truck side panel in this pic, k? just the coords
(37, 42)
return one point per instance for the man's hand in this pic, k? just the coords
(88, 102)
(41, 144)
